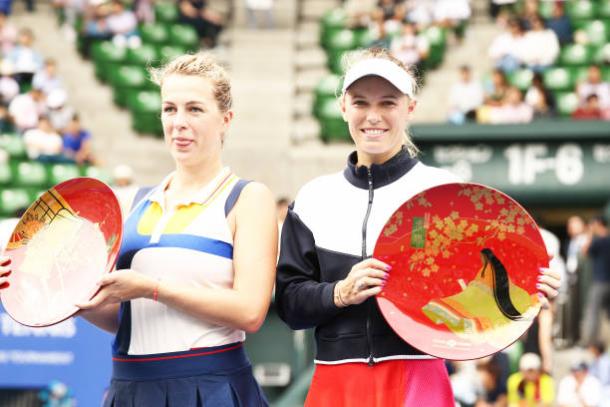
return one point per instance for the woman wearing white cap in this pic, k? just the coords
(326, 277)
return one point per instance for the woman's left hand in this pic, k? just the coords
(548, 285)
(120, 286)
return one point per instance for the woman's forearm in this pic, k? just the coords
(105, 317)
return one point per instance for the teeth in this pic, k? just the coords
(373, 131)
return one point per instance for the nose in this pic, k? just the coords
(373, 116)
(179, 119)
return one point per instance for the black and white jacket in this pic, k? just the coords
(332, 225)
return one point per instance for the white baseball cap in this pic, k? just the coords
(384, 68)
(530, 361)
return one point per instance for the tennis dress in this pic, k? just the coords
(162, 356)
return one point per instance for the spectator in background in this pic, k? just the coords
(25, 60)
(123, 25)
(257, 8)
(60, 113)
(419, 12)
(600, 367)
(25, 109)
(198, 14)
(452, 14)
(597, 249)
(9, 88)
(512, 110)
(493, 373)
(47, 79)
(6, 122)
(506, 49)
(560, 24)
(590, 110)
(77, 142)
(43, 143)
(359, 12)
(496, 89)
(410, 47)
(465, 97)
(540, 46)
(530, 387)
(575, 228)
(57, 394)
(540, 98)
(8, 34)
(530, 10)
(144, 11)
(124, 187)
(594, 84)
(579, 388)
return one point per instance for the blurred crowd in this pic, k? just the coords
(528, 46)
(524, 375)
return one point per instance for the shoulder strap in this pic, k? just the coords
(140, 194)
(234, 195)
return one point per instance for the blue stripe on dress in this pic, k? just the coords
(194, 242)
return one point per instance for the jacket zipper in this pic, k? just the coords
(369, 339)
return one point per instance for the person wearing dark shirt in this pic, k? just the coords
(560, 24)
(198, 14)
(598, 251)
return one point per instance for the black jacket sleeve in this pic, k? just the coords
(302, 300)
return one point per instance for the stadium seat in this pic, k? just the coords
(364, 37)
(332, 22)
(62, 172)
(559, 79)
(567, 102)
(12, 199)
(603, 10)
(125, 78)
(521, 78)
(169, 52)
(545, 9)
(576, 55)
(183, 35)
(105, 54)
(597, 31)
(97, 173)
(437, 38)
(339, 43)
(581, 10)
(145, 109)
(144, 55)
(166, 13)
(13, 144)
(328, 89)
(332, 125)
(30, 174)
(154, 34)
(602, 54)
(6, 176)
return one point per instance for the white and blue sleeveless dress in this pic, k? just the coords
(162, 356)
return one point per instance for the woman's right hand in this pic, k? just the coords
(5, 271)
(364, 280)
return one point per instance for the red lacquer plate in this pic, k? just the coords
(465, 260)
(65, 242)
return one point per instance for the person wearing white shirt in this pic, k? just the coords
(506, 48)
(540, 46)
(465, 97)
(579, 388)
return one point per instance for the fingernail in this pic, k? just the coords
(540, 278)
(385, 276)
(541, 296)
(388, 267)
(538, 285)
(383, 283)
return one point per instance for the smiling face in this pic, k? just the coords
(193, 124)
(377, 114)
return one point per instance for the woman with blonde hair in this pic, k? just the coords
(196, 266)
(326, 277)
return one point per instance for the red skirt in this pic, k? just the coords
(404, 383)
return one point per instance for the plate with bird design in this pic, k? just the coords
(63, 244)
(465, 260)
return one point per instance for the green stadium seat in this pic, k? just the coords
(333, 21)
(603, 10)
(6, 175)
(328, 88)
(521, 78)
(144, 55)
(13, 144)
(364, 37)
(598, 32)
(576, 55)
(30, 174)
(567, 102)
(145, 109)
(437, 38)
(168, 52)
(12, 199)
(62, 172)
(154, 34)
(602, 54)
(125, 78)
(332, 125)
(97, 173)
(545, 9)
(166, 13)
(184, 36)
(581, 10)
(105, 54)
(341, 42)
(559, 79)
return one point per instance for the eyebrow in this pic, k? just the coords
(390, 96)
(192, 102)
